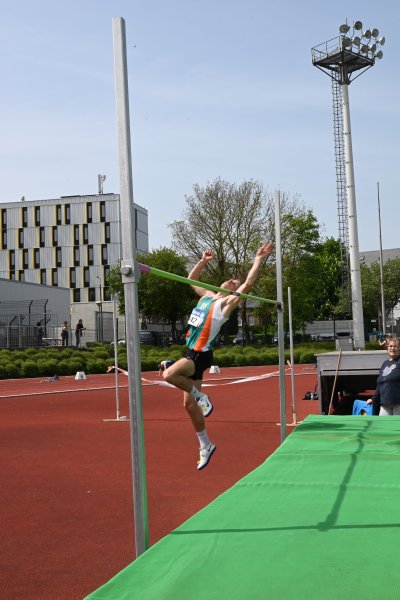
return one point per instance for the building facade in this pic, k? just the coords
(70, 242)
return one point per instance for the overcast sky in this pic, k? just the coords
(218, 88)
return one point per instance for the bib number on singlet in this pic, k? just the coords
(196, 318)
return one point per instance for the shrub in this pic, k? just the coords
(29, 368)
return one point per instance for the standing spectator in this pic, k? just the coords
(64, 334)
(38, 334)
(387, 394)
(78, 332)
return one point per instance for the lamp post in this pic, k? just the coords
(100, 319)
(340, 58)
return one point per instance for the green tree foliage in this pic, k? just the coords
(371, 288)
(161, 299)
(233, 220)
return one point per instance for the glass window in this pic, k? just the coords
(20, 238)
(41, 237)
(3, 218)
(107, 233)
(58, 257)
(67, 214)
(90, 255)
(24, 216)
(92, 295)
(11, 260)
(89, 212)
(85, 234)
(72, 277)
(21, 275)
(86, 276)
(4, 239)
(102, 211)
(76, 256)
(43, 279)
(36, 258)
(37, 215)
(58, 214)
(76, 294)
(54, 277)
(76, 235)
(54, 235)
(25, 259)
(104, 254)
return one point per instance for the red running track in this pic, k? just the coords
(66, 497)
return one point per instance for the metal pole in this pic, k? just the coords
(381, 266)
(292, 356)
(129, 279)
(354, 252)
(115, 330)
(279, 297)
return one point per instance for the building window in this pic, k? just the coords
(92, 295)
(41, 237)
(54, 235)
(24, 214)
(36, 258)
(25, 259)
(43, 279)
(90, 255)
(76, 295)
(58, 214)
(37, 215)
(3, 218)
(76, 235)
(89, 212)
(12, 275)
(85, 234)
(4, 239)
(102, 211)
(54, 277)
(21, 275)
(67, 214)
(107, 233)
(104, 254)
(11, 260)
(86, 276)
(76, 256)
(72, 277)
(20, 238)
(58, 257)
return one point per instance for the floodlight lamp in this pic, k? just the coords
(356, 40)
(344, 28)
(375, 32)
(372, 48)
(357, 25)
(379, 54)
(346, 42)
(367, 34)
(381, 41)
(364, 49)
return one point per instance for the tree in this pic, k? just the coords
(371, 288)
(162, 299)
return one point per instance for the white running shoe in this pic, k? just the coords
(205, 455)
(205, 405)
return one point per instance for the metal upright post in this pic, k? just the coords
(279, 297)
(130, 277)
(381, 267)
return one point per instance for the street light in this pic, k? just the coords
(100, 288)
(340, 58)
(99, 304)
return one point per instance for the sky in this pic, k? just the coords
(218, 88)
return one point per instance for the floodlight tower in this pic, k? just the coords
(340, 58)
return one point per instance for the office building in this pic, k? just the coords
(70, 242)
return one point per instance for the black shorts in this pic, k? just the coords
(202, 361)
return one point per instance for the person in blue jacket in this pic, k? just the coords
(387, 393)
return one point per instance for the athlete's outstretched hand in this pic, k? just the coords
(265, 249)
(207, 255)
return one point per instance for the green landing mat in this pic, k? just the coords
(320, 518)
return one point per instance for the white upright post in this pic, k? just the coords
(354, 251)
(130, 277)
(279, 297)
(294, 416)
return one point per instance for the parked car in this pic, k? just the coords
(147, 338)
(240, 338)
